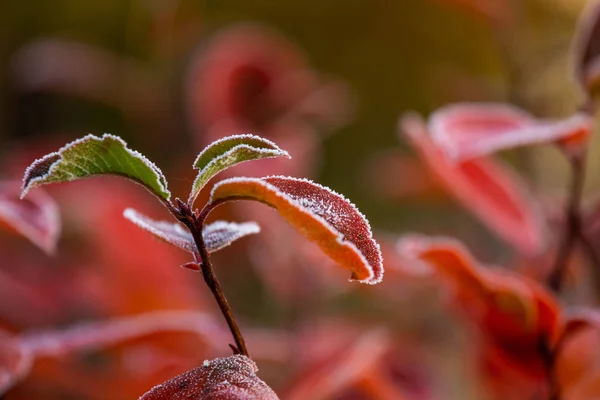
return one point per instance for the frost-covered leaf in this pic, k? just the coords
(15, 361)
(217, 235)
(36, 218)
(470, 130)
(587, 50)
(220, 234)
(92, 155)
(486, 187)
(229, 151)
(323, 216)
(228, 378)
(170, 232)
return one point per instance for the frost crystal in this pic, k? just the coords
(321, 214)
(92, 155)
(231, 378)
(216, 236)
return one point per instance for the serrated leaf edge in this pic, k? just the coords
(29, 184)
(371, 279)
(274, 151)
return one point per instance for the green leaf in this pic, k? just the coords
(92, 155)
(227, 152)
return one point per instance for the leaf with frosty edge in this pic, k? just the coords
(227, 378)
(36, 218)
(320, 214)
(229, 151)
(217, 235)
(93, 155)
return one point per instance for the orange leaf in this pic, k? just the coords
(515, 314)
(323, 216)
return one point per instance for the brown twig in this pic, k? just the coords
(195, 223)
(573, 222)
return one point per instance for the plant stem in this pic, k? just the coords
(573, 222)
(195, 223)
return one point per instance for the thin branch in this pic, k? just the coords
(573, 222)
(195, 223)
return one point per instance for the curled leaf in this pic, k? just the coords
(323, 216)
(228, 378)
(229, 151)
(36, 218)
(470, 130)
(217, 235)
(92, 155)
(486, 187)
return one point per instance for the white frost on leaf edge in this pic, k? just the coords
(216, 235)
(170, 232)
(371, 279)
(161, 180)
(215, 240)
(272, 152)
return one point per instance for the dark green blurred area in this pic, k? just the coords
(397, 55)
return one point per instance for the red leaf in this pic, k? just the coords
(35, 217)
(323, 216)
(15, 361)
(485, 187)
(515, 314)
(230, 378)
(467, 130)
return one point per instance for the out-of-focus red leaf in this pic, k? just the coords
(323, 216)
(485, 187)
(15, 361)
(343, 369)
(36, 217)
(468, 130)
(102, 334)
(251, 76)
(517, 316)
(577, 359)
(229, 378)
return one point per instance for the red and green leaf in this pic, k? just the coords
(230, 151)
(323, 216)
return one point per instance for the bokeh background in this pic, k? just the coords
(327, 80)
